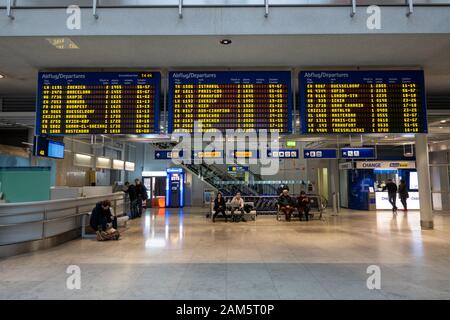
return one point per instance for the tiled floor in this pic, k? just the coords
(182, 255)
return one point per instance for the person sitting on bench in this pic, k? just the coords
(100, 218)
(237, 204)
(286, 204)
(219, 207)
(303, 206)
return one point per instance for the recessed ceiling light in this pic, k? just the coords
(1, 76)
(225, 41)
(441, 127)
(443, 121)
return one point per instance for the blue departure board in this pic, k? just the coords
(230, 100)
(362, 102)
(98, 103)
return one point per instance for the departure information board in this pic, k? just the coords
(362, 102)
(98, 103)
(230, 100)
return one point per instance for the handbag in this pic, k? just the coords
(248, 208)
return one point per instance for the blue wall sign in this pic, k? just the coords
(237, 169)
(283, 154)
(358, 153)
(320, 153)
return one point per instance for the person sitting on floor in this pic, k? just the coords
(237, 204)
(303, 206)
(286, 204)
(100, 221)
(219, 207)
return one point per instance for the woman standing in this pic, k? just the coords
(403, 194)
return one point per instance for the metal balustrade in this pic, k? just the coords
(179, 5)
(39, 220)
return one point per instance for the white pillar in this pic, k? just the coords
(334, 179)
(423, 173)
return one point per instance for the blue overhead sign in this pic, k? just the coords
(167, 154)
(237, 169)
(283, 154)
(319, 153)
(358, 153)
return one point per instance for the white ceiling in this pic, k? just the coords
(22, 57)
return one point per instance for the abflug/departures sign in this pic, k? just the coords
(362, 102)
(246, 100)
(98, 103)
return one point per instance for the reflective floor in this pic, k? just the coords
(181, 255)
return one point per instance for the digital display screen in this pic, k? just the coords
(44, 147)
(230, 100)
(98, 103)
(55, 149)
(362, 102)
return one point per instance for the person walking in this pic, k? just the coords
(391, 188)
(403, 194)
(141, 194)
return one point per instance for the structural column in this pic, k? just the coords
(334, 179)
(423, 173)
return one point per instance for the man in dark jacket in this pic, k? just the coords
(141, 194)
(391, 188)
(286, 204)
(130, 189)
(303, 205)
(101, 216)
(403, 194)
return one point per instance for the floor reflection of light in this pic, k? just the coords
(155, 243)
(167, 222)
(180, 226)
(147, 224)
(417, 243)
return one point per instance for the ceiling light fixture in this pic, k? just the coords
(1, 76)
(443, 121)
(225, 41)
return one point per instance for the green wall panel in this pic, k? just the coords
(24, 184)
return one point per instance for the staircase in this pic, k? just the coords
(218, 178)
